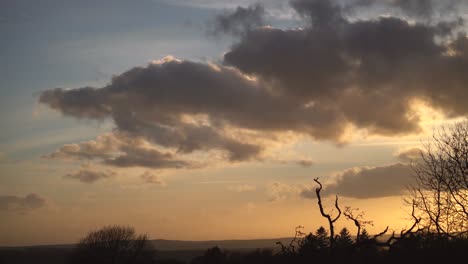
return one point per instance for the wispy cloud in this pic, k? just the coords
(22, 204)
(89, 174)
(120, 150)
(242, 188)
(277, 191)
(151, 178)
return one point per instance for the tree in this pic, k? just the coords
(344, 239)
(440, 195)
(322, 237)
(350, 214)
(364, 235)
(331, 220)
(113, 244)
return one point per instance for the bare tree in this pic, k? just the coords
(440, 195)
(291, 248)
(331, 220)
(354, 215)
(113, 244)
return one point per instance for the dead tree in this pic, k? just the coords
(393, 239)
(359, 223)
(357, 220)
(331, 220)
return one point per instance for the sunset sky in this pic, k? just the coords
(209, 119)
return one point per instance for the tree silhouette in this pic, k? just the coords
(322, 238)
(440, 195)
(331, 220)
(364, 234)
(343, 239)
(350, 214)
(113, 245)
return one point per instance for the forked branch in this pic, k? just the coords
(330, 219)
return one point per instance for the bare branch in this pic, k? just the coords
(331, 220)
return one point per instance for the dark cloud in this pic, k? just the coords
(430, 9)
(319, 80)
(150, 158)
(11, 203)
(151, 101)
(322, 14)
(364, 183)
(414, 7)
(367, 72)
(89, 174)
(155, 102)
(85, 102)
(238, 21)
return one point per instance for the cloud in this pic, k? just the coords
(365, 183)
(161, 102)
(103, 147)
(242, 188)
(305, 163)
(151, 178)
(89, 174)
(278, 191)
(191, 106)
(365, 72)
(238, 21)
(12, 203)
(121, 150)
(149, 158)
(409, 155)
(223, 4)
(320, 13)
(320, 80)
(414, 7)
(3, 158)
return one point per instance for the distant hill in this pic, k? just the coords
(169, 245)
(177, 245)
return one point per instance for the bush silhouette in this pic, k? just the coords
(212, 256)
(113, 244)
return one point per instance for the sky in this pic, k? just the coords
(205, 120)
